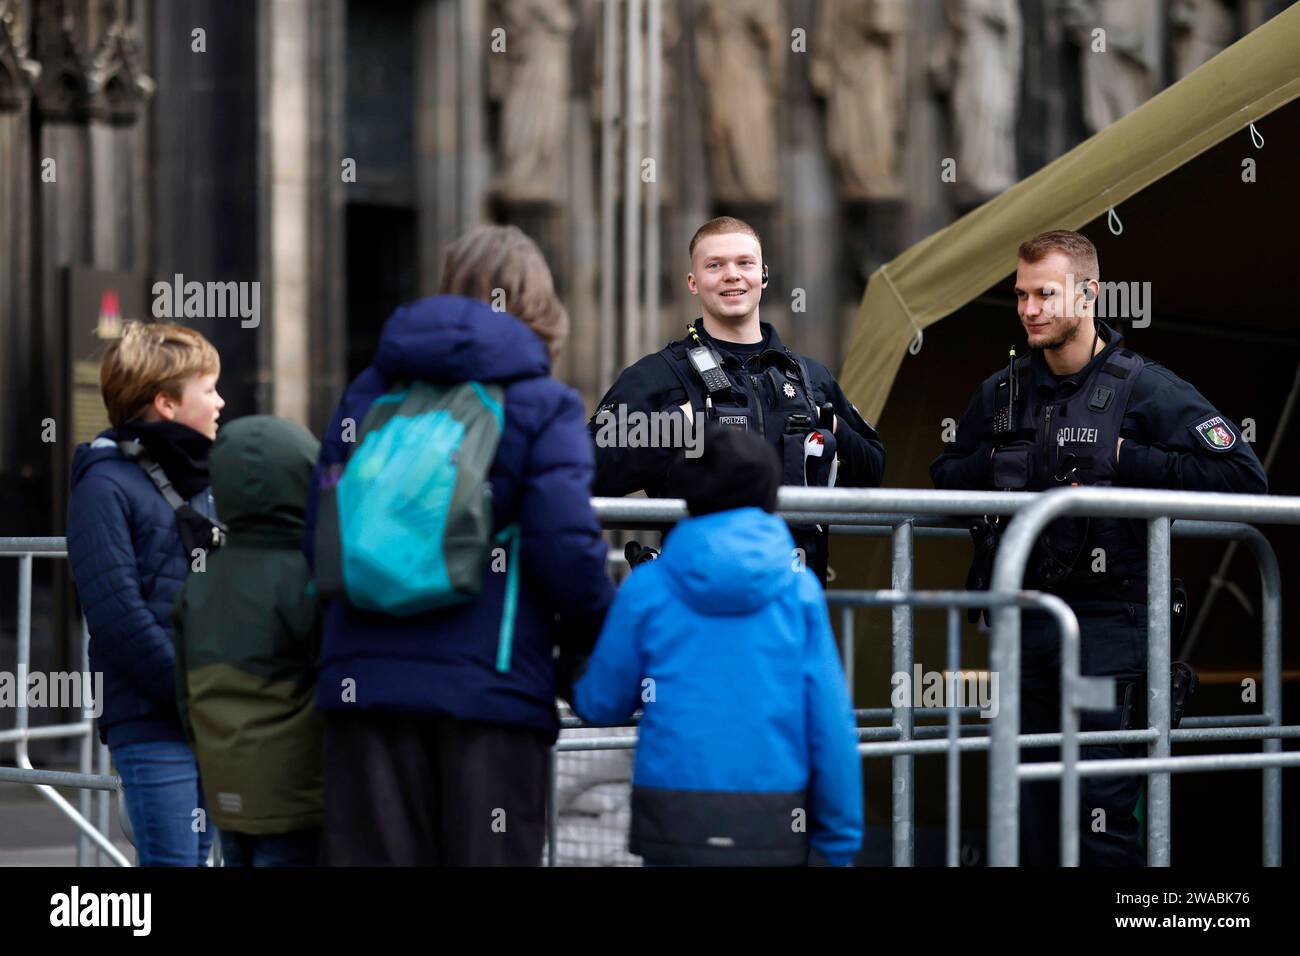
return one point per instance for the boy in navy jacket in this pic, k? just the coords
(130, 555)
(747, 753)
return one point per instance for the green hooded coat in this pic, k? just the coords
(247, 637)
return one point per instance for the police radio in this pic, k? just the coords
(1004, 419)
(707, 363)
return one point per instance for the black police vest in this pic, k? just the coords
(1074, 436)
(763, 399)
(1074, 443)
(1080, 434)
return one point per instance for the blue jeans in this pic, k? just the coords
(160, 781)
(298, 848)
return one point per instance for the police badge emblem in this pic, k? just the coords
(1216, 433)
(787, 390)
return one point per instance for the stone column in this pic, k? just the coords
(451, 161)
(118, 134)
(813, 263)
(18, 73)
(692, 196)
(205, 183)
(287, 136)
(327, 311)
(437, 137)
(64, 229)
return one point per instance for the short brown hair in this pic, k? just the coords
(721, 226)
(1082, 253)
(488, 258)
(151, 357)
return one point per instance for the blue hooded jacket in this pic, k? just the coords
(444, 661)
(747, 730)
(128, 561)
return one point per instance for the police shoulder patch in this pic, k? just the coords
(1217, 433)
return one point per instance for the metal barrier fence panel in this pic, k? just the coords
(1157, 507)
(904, 515)
(88, 834)
(929, 514)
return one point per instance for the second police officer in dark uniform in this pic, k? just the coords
(732, 370)
(1083, 409)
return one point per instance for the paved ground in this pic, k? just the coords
(34, 832)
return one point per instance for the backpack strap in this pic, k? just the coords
(510, 604)
(185, 512)
(134, 450)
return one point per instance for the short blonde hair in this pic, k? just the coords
(149, 358)
(721, 226)
(488, 258)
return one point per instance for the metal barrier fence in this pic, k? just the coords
(1158, 507)
(904, 515)
(900, 730)
(89, 833)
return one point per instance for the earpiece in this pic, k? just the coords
(765, 275)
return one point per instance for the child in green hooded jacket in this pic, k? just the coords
(247, 637)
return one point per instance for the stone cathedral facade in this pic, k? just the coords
(329, 149)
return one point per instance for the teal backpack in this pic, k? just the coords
(406, 525)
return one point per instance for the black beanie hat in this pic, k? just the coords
(736, 469)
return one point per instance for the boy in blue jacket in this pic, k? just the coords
(131, 546)
(747, 753)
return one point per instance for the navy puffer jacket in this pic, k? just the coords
(129, 564)
(444, 661)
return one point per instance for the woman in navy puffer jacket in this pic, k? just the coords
(433, 755)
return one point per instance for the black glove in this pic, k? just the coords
(636, 553)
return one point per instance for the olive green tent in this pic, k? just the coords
(1250, 82)
(1215, 236)
(1205, 191)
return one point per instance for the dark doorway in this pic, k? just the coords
(381, 274)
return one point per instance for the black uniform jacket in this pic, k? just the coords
(655, 385)
(1172, 438)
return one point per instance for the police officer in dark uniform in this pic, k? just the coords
(1082, 409)
(731, 369)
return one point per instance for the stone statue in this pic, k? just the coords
(531, 80)
(858, 66)
(116, 82)
(17, 72)
(1201, 29)
(978, 65)
(740, 48)
(1127, 74)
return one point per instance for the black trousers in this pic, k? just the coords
(1113, 643)
(423, 790)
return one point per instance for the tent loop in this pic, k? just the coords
(1256, 137)
(917, 339)
(1112, 220)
